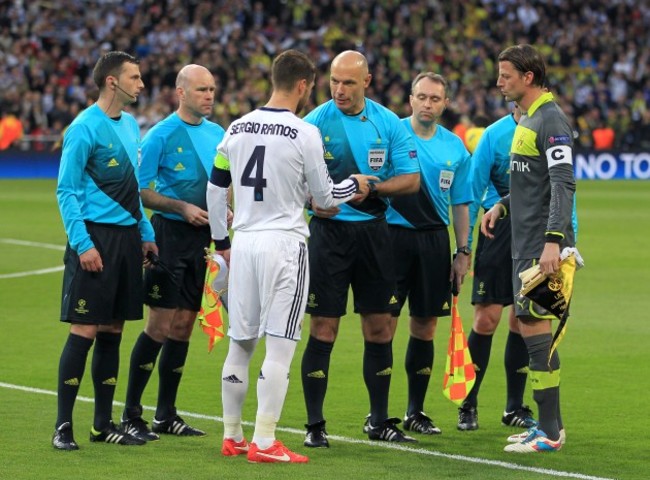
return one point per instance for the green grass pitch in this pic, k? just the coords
(604, 355)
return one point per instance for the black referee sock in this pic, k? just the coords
(143, 359)
(418, 363)
(377, 372)
(315, 374)
(71, 370)
(105, 365)
(170, 370)
(479, 347)
(516, 363)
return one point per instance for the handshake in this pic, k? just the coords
(367, 187)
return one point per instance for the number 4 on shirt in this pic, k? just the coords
(258, 182)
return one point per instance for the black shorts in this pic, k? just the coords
(344, 254)
(181, 247)
(493, 267)
(100, 298)
(423, 267)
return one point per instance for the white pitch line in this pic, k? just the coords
(387, 445)
(26, 243)
(41, 271)
(28, 273)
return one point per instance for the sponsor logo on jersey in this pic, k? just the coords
(559, 140)
(179, 167)
(328, 155)
(519, 166)
(413, 154)
(179, 149)
(113, 163)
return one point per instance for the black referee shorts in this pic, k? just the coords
(423, 267)
(181, 247)
(100, 298)
(493, 267)
(344, 254)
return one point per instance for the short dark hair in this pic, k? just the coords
(526, 58)
(289, 68)
(110, 64)
(434, 77)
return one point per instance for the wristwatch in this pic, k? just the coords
(464, 250)
(372, 190)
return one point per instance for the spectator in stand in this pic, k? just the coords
(603, 136)
(41, 45)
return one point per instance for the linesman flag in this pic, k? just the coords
(553, 293)
(459, 375)
(214, 303)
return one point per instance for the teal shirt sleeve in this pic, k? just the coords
(76, 151)
(481, 165)
(403, 152)
(146, 229)
(461, 188)
(152, 151)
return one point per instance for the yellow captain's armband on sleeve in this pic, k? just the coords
(221, 162)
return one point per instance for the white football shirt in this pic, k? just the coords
(274, 161)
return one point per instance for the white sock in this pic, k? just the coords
(234, 385)
(272, 387)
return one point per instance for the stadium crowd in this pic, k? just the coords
(598, 53)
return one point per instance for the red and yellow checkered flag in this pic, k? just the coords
(459, 372)
(212, 309)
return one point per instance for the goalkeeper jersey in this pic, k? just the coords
(542, 182)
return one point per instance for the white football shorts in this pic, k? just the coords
(269, 279)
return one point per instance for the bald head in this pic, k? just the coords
(195, 87)
(190, 73)
(351, 59)
(349, 79)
